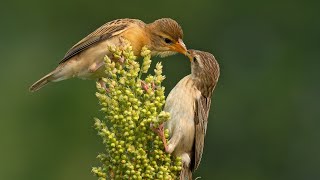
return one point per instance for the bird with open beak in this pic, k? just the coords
(84, 60)
(189, 104)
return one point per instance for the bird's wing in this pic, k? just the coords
(201, 121)
(106, 31)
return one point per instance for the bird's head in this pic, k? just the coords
(166, 37)
(204, 69)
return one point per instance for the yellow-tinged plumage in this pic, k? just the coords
(85, 59)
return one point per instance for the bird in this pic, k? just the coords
(84, 60)
(188, 104)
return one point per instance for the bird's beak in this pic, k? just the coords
(180, 47)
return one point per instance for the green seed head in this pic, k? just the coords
(132, 149)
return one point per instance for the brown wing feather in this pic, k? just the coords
(203, 105)
(104, 32)
(201, 121)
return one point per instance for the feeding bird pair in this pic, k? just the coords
(188, 102)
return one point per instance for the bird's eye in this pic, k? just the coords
(168, 41)
(194, 59)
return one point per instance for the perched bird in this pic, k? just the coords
(84, 60)
(189, 104)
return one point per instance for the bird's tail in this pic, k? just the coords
(186, 173)
(41, 82)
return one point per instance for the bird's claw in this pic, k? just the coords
(160, 131)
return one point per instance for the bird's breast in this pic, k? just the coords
(180, 104)
(181, 99)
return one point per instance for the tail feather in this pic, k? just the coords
(185, 173)
(41, 82)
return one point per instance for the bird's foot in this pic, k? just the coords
(160, 131)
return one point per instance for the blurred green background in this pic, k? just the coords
(265, 117)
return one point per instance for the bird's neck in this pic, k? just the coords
(196, 80)
(202, 85)
(138, 38)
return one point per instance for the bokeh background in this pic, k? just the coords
(265, 118)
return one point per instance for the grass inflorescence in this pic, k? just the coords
(130, 105)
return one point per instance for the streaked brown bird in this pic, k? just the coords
(84, 60)
(189, 104)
